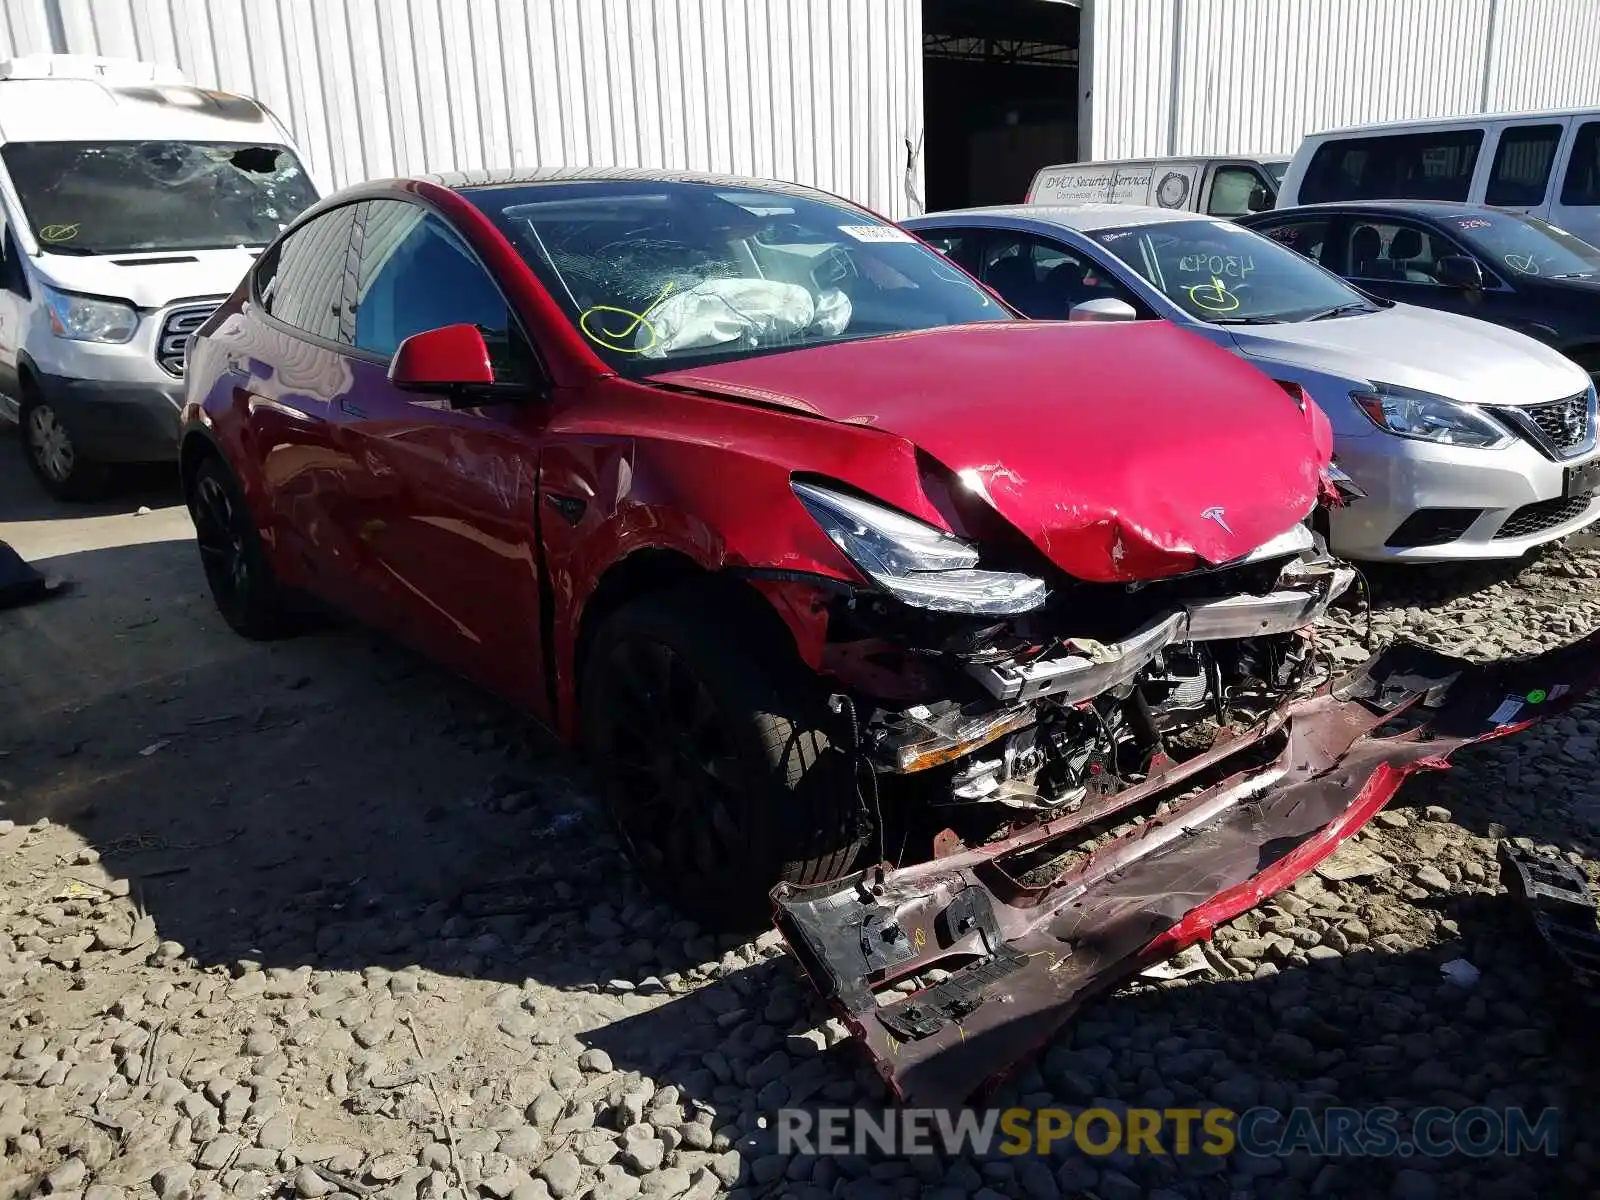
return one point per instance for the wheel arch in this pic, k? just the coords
(654, 569)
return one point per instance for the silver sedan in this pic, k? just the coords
(1471, 441)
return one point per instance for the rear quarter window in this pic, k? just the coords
(1410, 166)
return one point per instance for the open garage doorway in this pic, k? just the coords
(1000, 81)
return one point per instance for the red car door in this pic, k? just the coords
(442, 509)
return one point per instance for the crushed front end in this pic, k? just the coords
(1005, 940)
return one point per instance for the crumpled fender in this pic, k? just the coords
(1276, 801)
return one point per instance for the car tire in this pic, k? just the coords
(713, 750)
(241, 579)
(47, 444)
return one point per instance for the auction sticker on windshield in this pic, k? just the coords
(876, 233)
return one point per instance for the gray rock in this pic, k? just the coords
(666, 1183)
(104, 1191)
(172, 1180)
(533, 1189)
(276, 1133)
(1429, 876)
(308, 1184)
(69, 1176)
(615, 1184)
(524, 1142)
(388, 1167)
(1413, 1185)
(596, 1061)
(218, 1151)
(546, 1109)
(726, 1167)
(1036, 1181)
(562, 1172)
(1114, 1185)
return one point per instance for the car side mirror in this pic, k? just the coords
(453, 359)
(1105, 308)
(1459, 271)
(1260, 199)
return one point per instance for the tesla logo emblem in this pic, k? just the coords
(1216, 514)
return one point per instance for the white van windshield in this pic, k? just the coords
(124, 197)
(1225, 275)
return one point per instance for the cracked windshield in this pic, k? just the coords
(1229, 276)
(125, 197)
(686, 271)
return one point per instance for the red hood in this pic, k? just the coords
(1107, 445)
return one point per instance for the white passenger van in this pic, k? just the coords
(130, 205)
(1544, 163)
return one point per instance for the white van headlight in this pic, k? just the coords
(1429, 418)
(916, 563)
(81, 319)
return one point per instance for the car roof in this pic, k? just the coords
(1082, 217)
(524, 177)
(1418, 208)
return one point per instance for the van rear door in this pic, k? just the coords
(1575, 193)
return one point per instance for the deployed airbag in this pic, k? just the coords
(755, 312)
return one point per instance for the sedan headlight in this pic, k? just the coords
(81, 319)
(1429, 418)
(915, 562)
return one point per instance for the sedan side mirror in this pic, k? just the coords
(1105, 308)
(1459, 271)
(449, 359)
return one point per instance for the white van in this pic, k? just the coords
(1222, 187)
(130, 205)
(1544, 163)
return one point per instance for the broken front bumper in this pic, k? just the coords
(1306, 590)
(1250, 817)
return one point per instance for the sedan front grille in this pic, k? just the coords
(1562, 428)
(1545, 514)
(173, 343)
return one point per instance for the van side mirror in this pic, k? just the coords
(1105, 308)
(1260, 199)
(1459, 271)
(449, 359)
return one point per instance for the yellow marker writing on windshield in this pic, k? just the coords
(1213, 297)
(618, 340)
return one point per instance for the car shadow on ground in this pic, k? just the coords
(333, 801)
(1396, 587)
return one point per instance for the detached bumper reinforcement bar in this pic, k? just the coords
(1272, 804)
(1093, 668)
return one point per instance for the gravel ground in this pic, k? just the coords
(260, 933)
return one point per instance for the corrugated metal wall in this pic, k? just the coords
(823, 92)
(1232, 76)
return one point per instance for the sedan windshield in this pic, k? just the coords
(1525, 245)
(664, 273)
(1227, 275)
(125, 197)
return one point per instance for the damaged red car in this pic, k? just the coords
(791, 524)
(824, 557)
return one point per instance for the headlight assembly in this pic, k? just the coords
(914, 562)
(82, 319)
(1429, 418)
